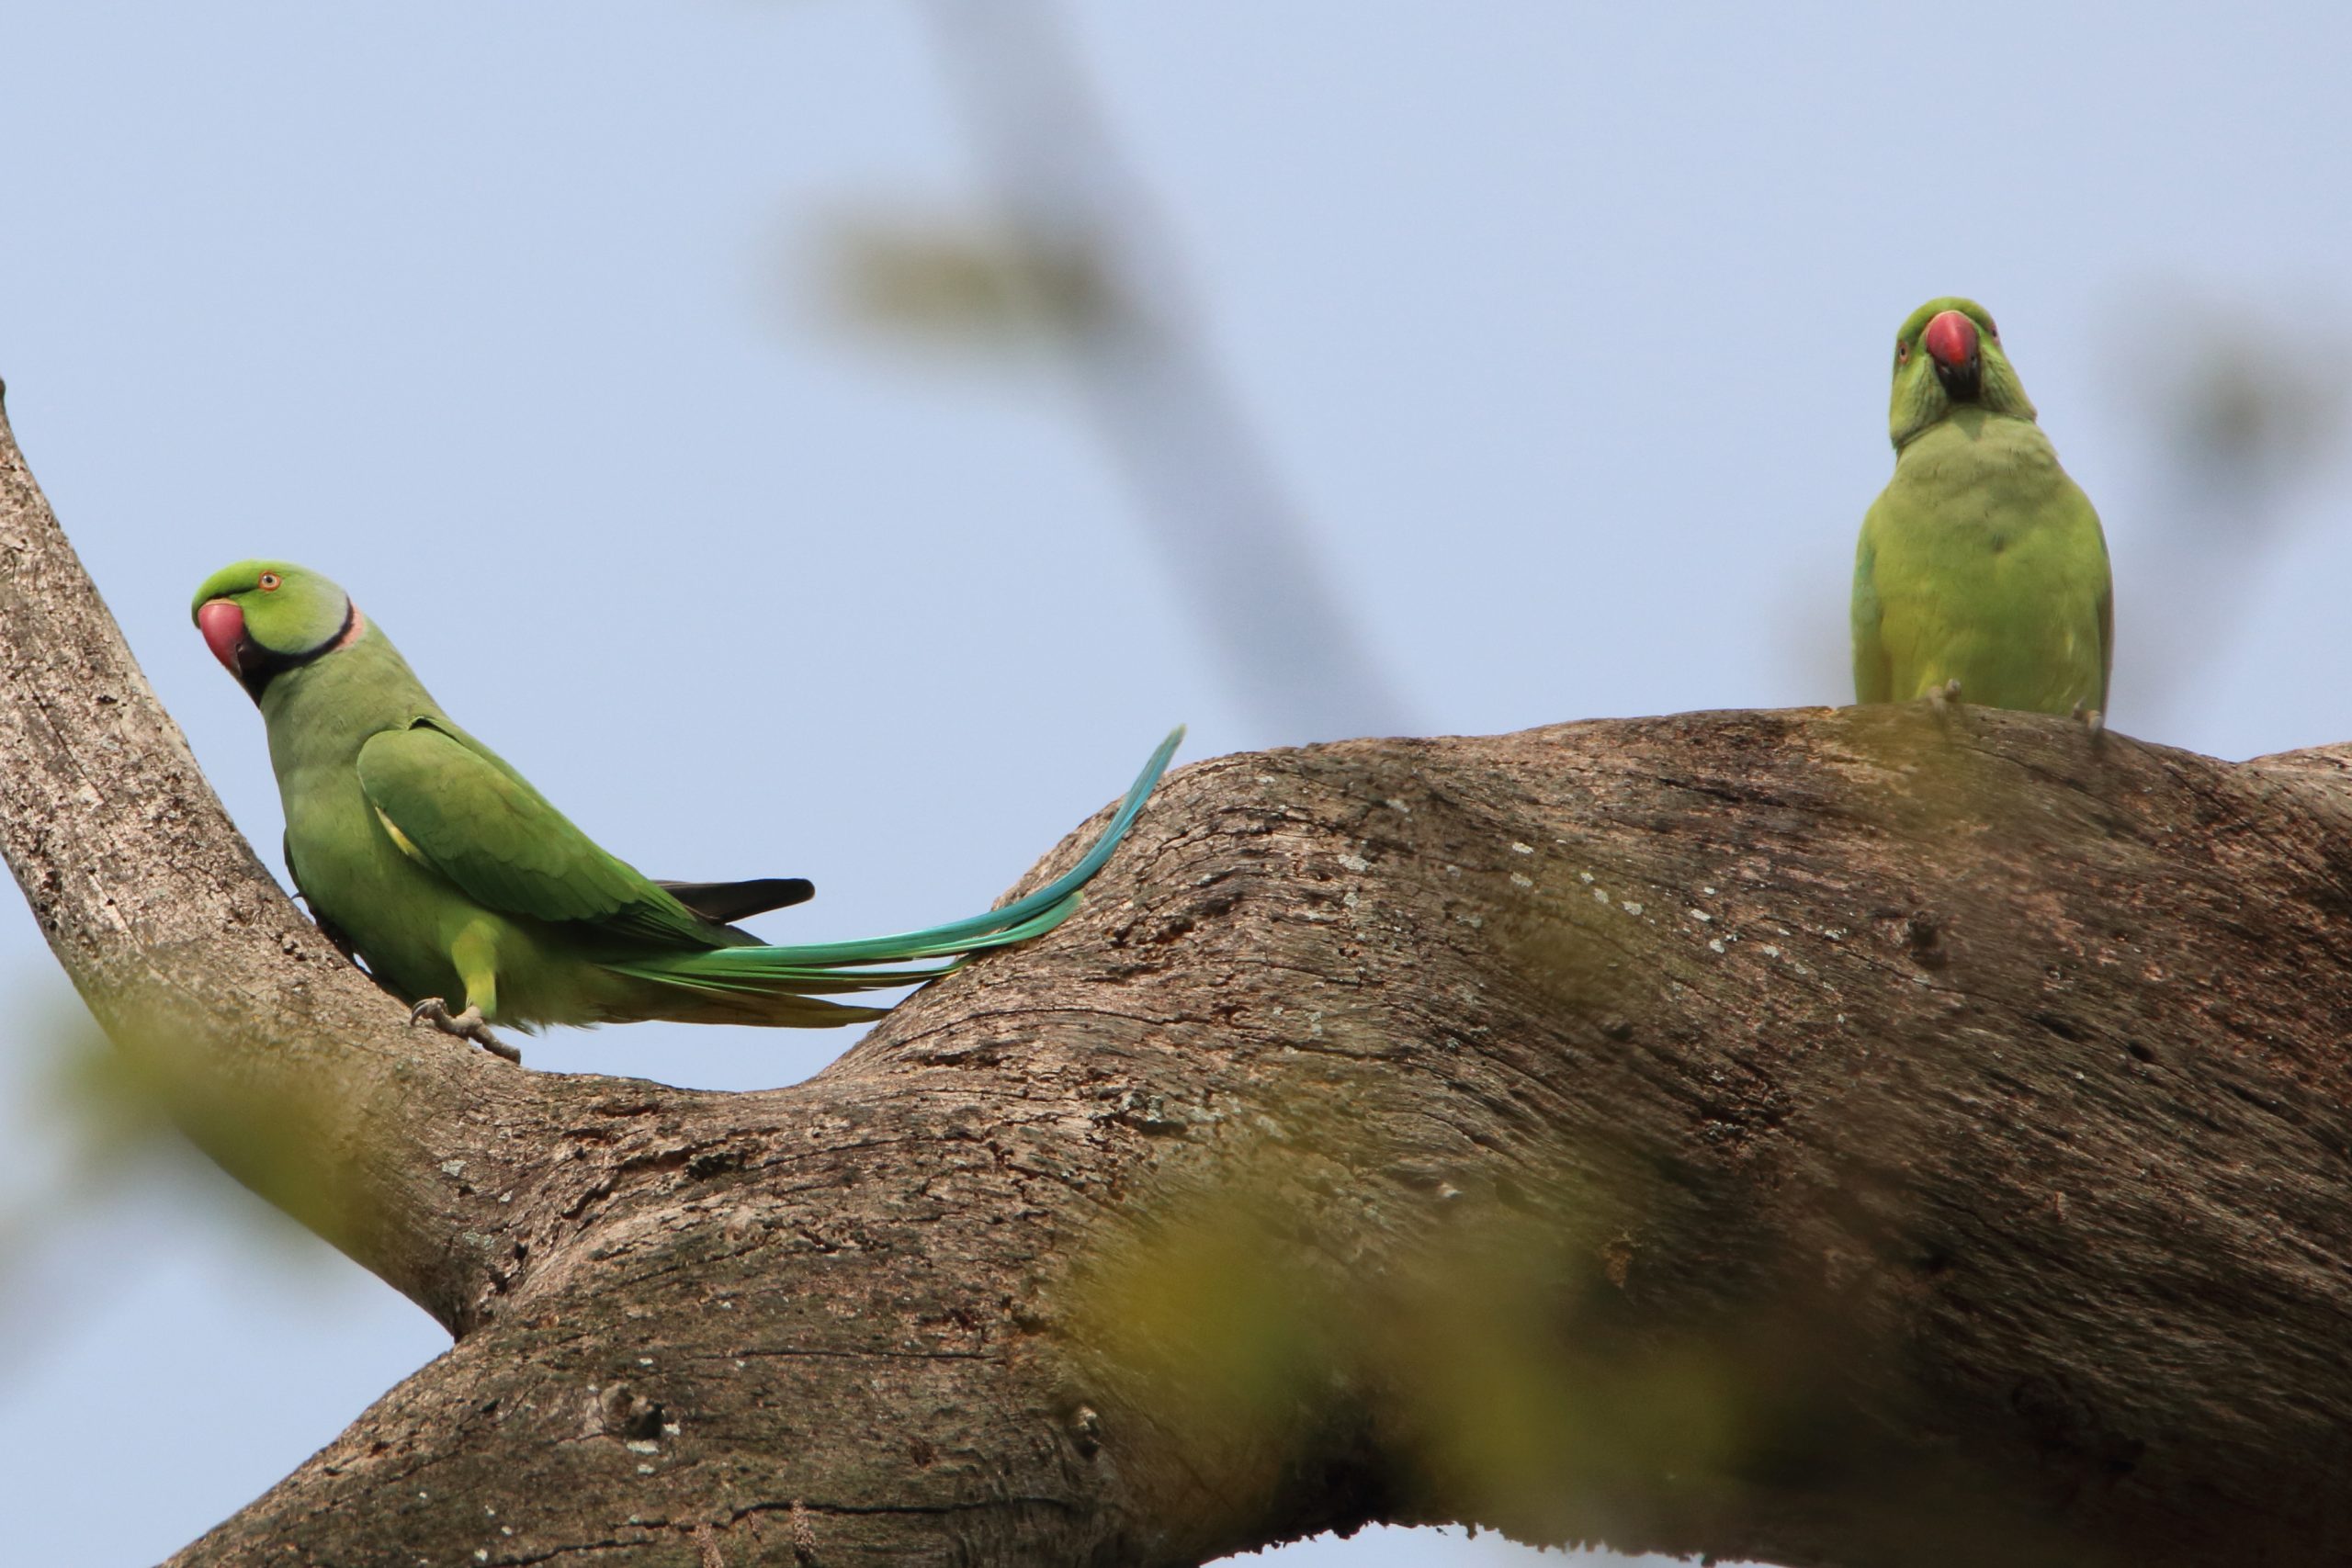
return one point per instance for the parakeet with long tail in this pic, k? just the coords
(1982, 573)
(420, 849)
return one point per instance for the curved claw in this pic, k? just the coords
(467, 1025)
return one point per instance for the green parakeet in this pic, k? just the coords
(1982, 573)
(424, 853)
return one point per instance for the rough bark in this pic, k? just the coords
(1844, 1137)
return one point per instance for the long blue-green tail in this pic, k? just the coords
(781, 985)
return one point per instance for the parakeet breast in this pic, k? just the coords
(1990, 569)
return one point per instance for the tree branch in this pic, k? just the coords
(1826, 1136)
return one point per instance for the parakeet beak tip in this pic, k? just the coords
(1950, 342)
(223, 626)
(1951, 338)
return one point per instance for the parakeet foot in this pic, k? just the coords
(2095, 721)
(1946, 697)
(467, 1025)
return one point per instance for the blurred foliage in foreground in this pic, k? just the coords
(1501, 1358)
(95, 1129)
(1565, 1368)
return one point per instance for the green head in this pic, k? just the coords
(262, 618)
(1948, 355)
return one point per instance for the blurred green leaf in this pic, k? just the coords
(941, 280)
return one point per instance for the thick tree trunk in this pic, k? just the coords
(1852, 1137)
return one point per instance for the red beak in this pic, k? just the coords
(223, 626)
(1951, 338)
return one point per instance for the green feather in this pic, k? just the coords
(461, 810)
(451, 877)
(1982, 561)
(842, 966)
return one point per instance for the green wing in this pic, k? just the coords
(2106, 641)
(462, 811)
(1873, 678)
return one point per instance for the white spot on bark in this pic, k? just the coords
(1629, 907)
(1356, 863)
(1600, 896)
(1716, 946)
(1519, 849)
(1520, 879)
(453, 1167)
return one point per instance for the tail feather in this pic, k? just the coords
(730, 977)
(686, 1002)
(727, 902)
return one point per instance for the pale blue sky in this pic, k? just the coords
(1565, 325)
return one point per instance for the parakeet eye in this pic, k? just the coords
(1902, 353)
(270, 582)
(1990, 330)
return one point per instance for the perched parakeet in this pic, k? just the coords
(1982, 573)
(424, 853)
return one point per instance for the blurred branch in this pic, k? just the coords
(1847, 1137)
(1081, 257)
(2246, 399)
(2239, 409)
